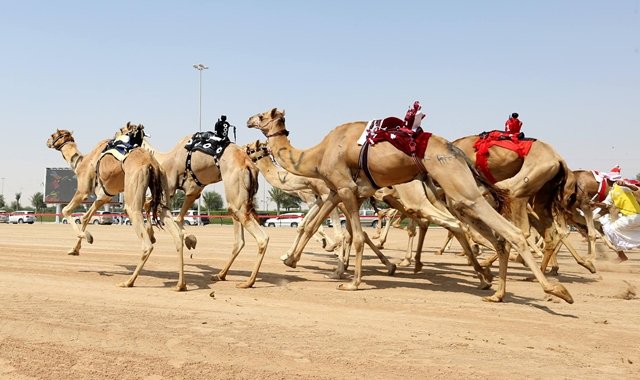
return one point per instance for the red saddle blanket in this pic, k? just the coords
(502, 139)
(411, 142)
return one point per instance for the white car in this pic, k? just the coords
(290, 219)
(191, 218)
(19, 217)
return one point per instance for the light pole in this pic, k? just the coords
(200, 67)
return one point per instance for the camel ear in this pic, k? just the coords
(282, 112)
(274, 112)
(128, 124)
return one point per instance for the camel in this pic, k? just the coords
(588, 189)
(285, 180)
(106, 176)
(310, 190)
(336, 161)
(542, 178)
(191, 172)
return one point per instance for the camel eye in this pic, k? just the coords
(260, 117)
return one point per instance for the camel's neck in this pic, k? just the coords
(296, 161)
(278, 178)
(71, 154)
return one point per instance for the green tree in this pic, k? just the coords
(212, 201)
(2, 204)
(278, 197)
(291, 201)
(17, 204)
(37, 201)
(177, 200)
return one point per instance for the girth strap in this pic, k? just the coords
(363, 163)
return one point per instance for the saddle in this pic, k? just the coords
(411, 142)
(208, 143)
(516, 143)
(118, 148)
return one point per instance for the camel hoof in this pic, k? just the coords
(89, 237)
(350, 286)
(125, 284)
(560, 291)
(554, 271)
(418, 267)
(190, 242)
(285, 256)
(404, 263)
(217, 277)
(391, 270)
(380, 245)
(484, 285)
(590, 266)
(244, 285)
(289, 262)
(493, 298)
(331, 247)
(334, 276)
(439, 252)
(73, 252)
(180, 288)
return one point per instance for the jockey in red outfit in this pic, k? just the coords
(414, 117)
(513, 125)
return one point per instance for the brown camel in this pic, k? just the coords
(106, 176)
(541, 178)
(310, 190)
(335, 160)
(588, 189)
(240, 179)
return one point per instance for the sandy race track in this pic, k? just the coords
(62, 317)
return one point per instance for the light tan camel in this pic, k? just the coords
(541, 178)
(240, 179)
(258, 152)
(312, 191)
(335, 160)
(106, 176)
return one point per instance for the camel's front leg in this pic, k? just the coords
(189, 240)
(351, 204)
(422, 228)
(178, 237)
(262, 239)
(81, 232)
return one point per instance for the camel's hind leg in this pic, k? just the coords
(411, 232)
(137, 222)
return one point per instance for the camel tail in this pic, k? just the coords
(563, 190)
(157, 193)
(500, 196)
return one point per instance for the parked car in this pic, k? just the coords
(119, 217)
(191, 217)
(4, 216)
(290, 219)
(21, 216)
(100, 217)
(368, 218)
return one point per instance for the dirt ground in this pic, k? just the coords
(62, 317)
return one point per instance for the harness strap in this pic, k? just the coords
(363, 163)
(189, 171)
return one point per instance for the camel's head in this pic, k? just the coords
(271, 123)
(134, 131)
(59, 138)
(257, 150)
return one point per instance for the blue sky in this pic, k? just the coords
(570, 68)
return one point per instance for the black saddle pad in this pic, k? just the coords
(207, 142)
